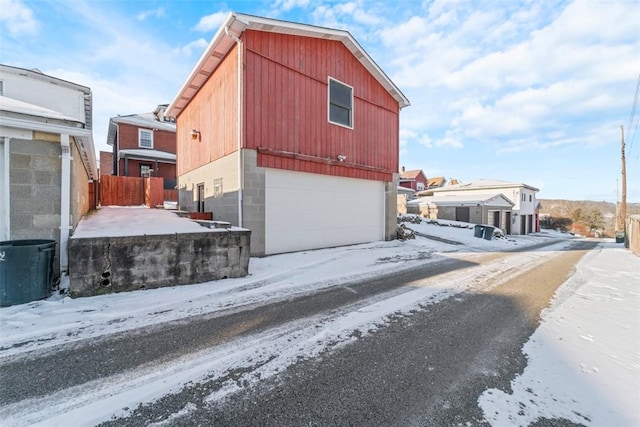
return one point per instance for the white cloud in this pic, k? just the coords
(211, 22)
(196, 45)
(450, 140)
(359, 18)
(425, 140)
(128, 70)
(157, 13)
(17, 18)
(287, 5)
(517, 77)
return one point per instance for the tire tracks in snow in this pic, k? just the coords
(258, 346)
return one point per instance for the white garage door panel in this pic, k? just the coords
(309, 211)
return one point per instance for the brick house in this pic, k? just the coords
(47, 158)
(289, 130)
(144, 145)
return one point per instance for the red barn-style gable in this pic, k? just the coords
(293, 113)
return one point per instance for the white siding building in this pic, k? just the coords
(47, 157)
(523, 218)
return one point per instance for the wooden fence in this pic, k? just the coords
(633, 233)
(131, 191)
(170, 195)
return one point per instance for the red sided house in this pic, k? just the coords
(415, 180)
(291, 131)
(144, 145)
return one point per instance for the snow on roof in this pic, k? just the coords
(457, 199)
(147, 120)
(236, 23)
(405, 190)
(21, 107)
(146, 153)
(485, 183)
(119, 221)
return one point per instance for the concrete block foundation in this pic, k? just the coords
(101, 265)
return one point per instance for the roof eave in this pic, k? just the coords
(237, 23)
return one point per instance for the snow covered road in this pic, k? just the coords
(345, 296)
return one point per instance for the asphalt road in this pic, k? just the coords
(425, 369)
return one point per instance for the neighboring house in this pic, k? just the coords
(437, 182)
(492, 209)
(106, 163)
(415, 180)
(47, 158)
(289, 129)
(524, 216)
(144, 145)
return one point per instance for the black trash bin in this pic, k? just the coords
(26, 270)
(488, 232)
(620, 236)
(478, 230)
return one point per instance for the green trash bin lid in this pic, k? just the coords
(26, 270)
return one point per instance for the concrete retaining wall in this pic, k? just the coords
(116, 264)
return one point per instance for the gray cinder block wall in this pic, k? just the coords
(116, 264)
(34, 188)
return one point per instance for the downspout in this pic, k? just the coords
(117, 151)
(5, 223)
(240, 106)
(65, 200)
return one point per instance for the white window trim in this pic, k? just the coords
(140, 138)
(329, 103)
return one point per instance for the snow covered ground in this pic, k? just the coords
(584, 360)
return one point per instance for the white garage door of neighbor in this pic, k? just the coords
(310, 211)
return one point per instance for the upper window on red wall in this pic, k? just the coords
(145, 138)
(340, 103)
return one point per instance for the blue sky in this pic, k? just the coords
(523, 91)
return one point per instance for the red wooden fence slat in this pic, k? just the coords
(121, 191)
(153, 192)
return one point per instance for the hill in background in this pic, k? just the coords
(576, 214)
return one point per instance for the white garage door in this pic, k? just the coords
(310, 211)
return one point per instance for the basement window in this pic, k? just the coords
(145, 138)
(217, 188)
(340, 104)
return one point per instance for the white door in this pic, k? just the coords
(310, 211)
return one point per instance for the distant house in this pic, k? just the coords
(144, 145)
(47, 158)
(289, 129)
(436, 182)
(492, 209)
(414, 179)
(523, 219)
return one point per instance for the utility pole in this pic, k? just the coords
(623, 204)
(618, 227)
